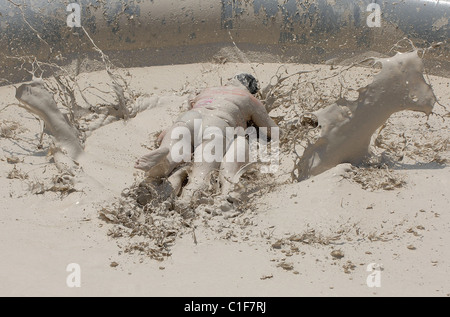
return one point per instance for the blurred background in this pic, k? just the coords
(137, 33)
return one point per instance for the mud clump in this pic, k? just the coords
(376, 178)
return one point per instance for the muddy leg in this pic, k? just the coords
(199, 176)
(161, 162)
(236, 157)
(177, 179)
(154, 163)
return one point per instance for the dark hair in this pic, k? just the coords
(250, 82)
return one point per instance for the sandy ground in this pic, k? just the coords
(314, 238)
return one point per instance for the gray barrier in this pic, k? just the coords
(137, 33)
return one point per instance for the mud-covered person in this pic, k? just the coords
(233, 105)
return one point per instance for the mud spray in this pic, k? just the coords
(329, 131)
(346, 129)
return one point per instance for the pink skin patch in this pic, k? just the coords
(211, 94)
(203, 103)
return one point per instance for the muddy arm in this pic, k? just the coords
(261, 118)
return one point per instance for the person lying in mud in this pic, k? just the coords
(214, 111)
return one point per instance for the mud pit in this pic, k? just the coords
(283, 238)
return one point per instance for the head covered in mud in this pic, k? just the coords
(248, 81)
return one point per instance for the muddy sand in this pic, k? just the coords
(286, 238)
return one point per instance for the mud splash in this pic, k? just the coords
(347, 126)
